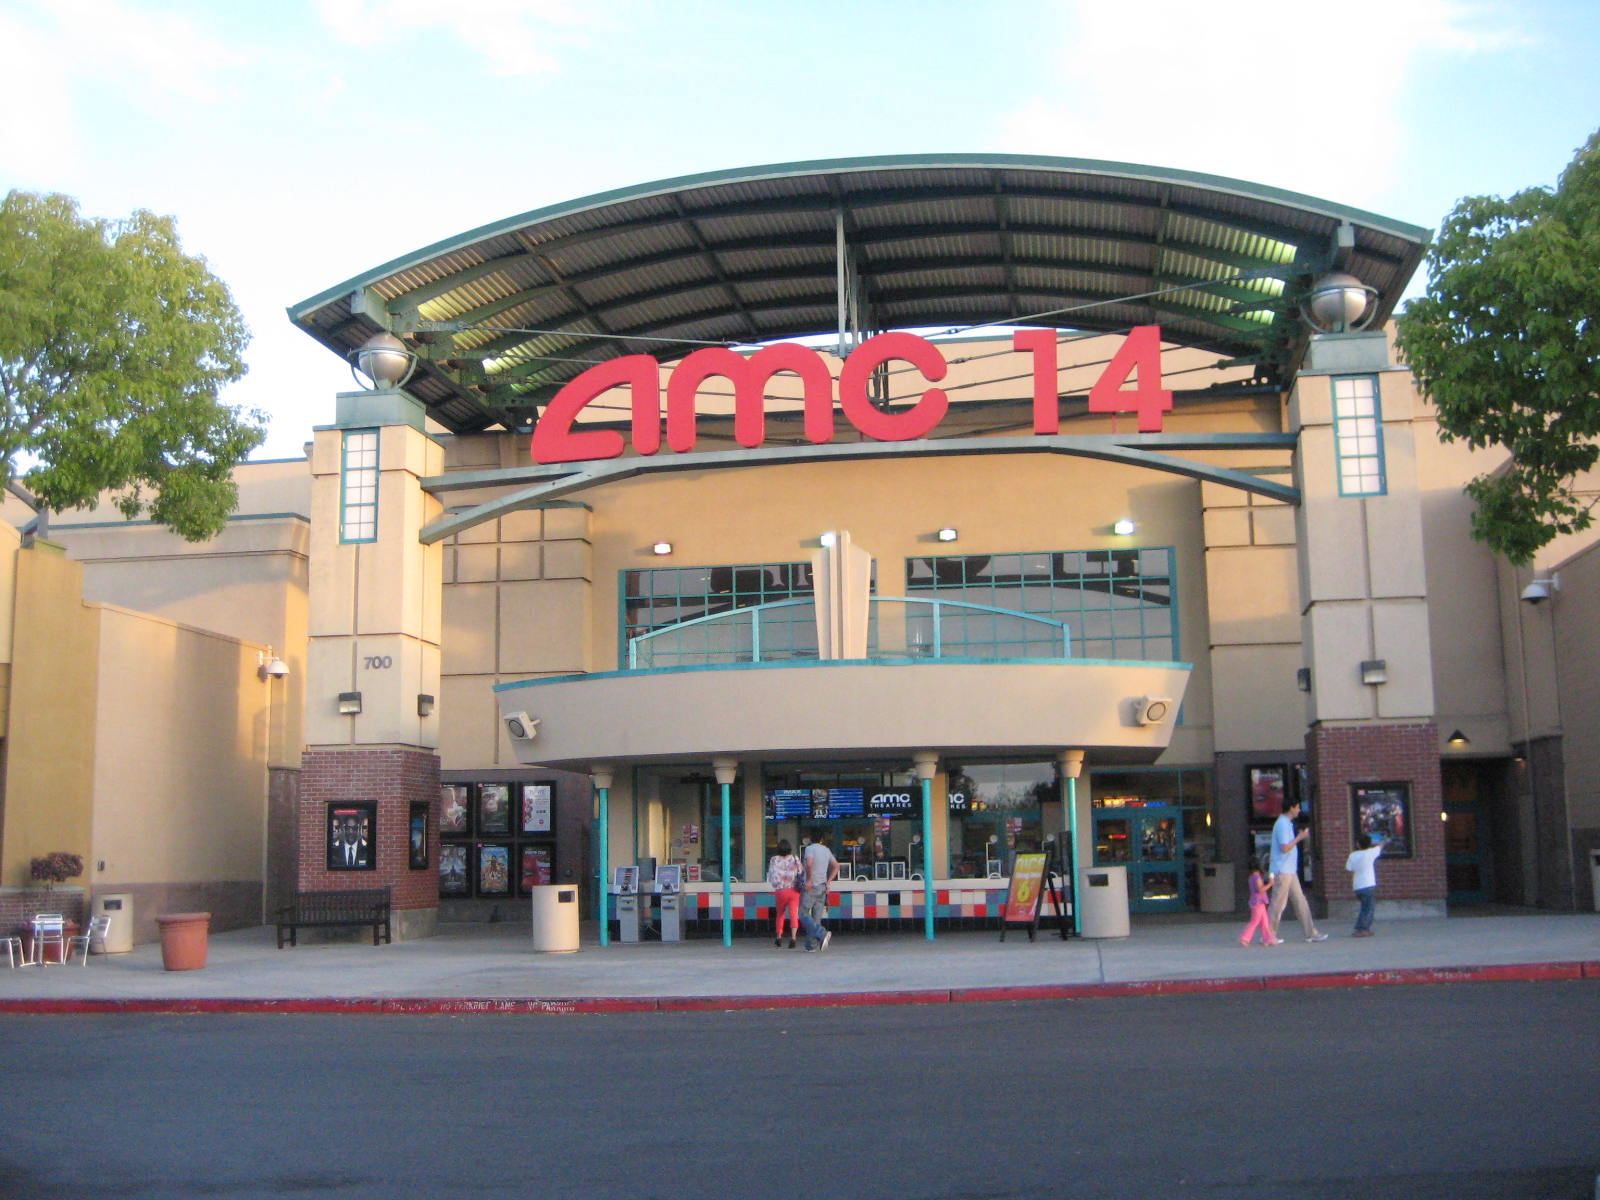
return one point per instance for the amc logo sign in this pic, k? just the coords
(556, 440)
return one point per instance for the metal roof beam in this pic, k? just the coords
(1152, 451)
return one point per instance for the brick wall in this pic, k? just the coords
(394, 777)
(1338, 757)
(17, 905)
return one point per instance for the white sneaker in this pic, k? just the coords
(1317, 937)
(827, 936)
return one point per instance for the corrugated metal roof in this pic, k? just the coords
(934, 241)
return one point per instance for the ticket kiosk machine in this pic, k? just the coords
(625, 887)
(669, 890)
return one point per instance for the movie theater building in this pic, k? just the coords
(959, 506)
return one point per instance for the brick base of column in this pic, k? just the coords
(1339, 757)
(393, 777)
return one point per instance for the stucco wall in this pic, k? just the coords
(180, 769)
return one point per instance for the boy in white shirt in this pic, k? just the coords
(1363, 866)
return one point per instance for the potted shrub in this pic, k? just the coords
(55, 867)
(51, 869)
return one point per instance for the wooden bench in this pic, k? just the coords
(364, 906)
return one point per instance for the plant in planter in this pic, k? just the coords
(56, 867)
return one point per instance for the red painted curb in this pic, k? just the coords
(559, 1006)
(1517, 972)
(817, 1000)
(1083, 991)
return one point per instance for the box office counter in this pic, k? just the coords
(857, 902)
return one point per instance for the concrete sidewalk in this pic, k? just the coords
(481, 968)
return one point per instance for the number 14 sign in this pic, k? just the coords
(555, 440)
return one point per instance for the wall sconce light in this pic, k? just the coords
(662, 548)
(349, 703)
(424, 704)
(1302, 679)
(828, 539)
(1459, 740)
(1374, 671)
(1125, 527)
(947, 534)
(269, 666)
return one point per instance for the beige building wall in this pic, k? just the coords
(185, 724)
(51, 727)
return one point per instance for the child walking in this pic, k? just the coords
(1260, 885)
(1363, 867)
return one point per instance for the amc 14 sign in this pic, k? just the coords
(555, 440)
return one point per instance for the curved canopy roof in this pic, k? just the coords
(503, 315)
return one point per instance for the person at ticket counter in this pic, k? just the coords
(821, 869)
(784, 878)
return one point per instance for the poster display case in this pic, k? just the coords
(496, 839)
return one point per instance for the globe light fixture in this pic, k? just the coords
(386, 362)
(1339, 303)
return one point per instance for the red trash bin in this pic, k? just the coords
(184, 938)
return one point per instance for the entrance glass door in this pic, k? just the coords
(1466, 862)
(1149, 842)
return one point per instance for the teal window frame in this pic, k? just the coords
(1358, 436)
(657, 598)
(1118, 603)
(358, 486)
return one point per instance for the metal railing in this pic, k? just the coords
(898, 627)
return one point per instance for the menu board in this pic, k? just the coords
(791, 804)
(847, 802)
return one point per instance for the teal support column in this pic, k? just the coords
(1071, 763)
(927, 763)
(602, 784)
(727, 770)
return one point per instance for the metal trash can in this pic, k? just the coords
(1216, 887)
(118, 906)
(555, 918)
(1594, 876)
(1103, 901)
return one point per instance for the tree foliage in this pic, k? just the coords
(114, 345)
(1506, 343)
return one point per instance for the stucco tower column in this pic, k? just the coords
(372, 671)
(1364, 625)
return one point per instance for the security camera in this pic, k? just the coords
(1536, 592)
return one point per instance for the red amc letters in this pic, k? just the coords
(556, 440)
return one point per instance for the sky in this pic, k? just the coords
(299, 143)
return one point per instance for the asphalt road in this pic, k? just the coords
(1458, 1092)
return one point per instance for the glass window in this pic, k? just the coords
(1358, 436)
(358, 512)
(996, 810)
(1118, 604)
(662, 597)
(871, 817)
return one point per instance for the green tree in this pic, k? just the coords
(1506, 343)
(113, 347)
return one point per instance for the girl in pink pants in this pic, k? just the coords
(1260, 885)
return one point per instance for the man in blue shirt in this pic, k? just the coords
(1286, 874)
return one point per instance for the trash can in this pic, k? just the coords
(555, 918)
(117, 907)
(184, 939)
(1216, 887)
(1594, 877)
(1103, 902)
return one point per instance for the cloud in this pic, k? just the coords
(512, 35)
(55, 48)
(1302, 97)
